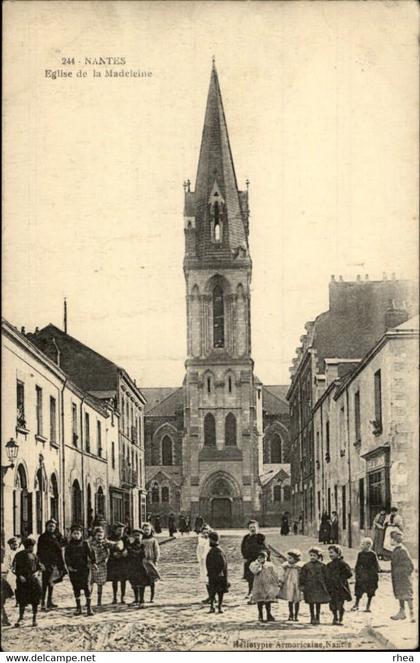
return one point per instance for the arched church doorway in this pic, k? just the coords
(221, 512)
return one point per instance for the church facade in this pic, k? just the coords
(205, 452)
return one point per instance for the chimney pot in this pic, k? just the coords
(36, 330)
(22, 330)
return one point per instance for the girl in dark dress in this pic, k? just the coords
(28, 587)
(313, 584)
(79, 557)
(338, 574)
(216, 565)
(325, 529)
(137, 573)
(117, 563)
(367, 570)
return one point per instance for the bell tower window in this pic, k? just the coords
(218, 318)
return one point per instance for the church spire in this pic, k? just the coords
(216, 181)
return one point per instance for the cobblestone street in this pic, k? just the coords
(178, 620)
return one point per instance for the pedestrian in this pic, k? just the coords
(290, 583)
(284, 528)
(338, 574)
(379, 533)
(334, 527)
(14, 546)
(402, 568)
(157, 525)
(172, 525)
(302, 522)
(182, 523)
(250, 547)
(28, 587)
(313, 584)
(50, 553)
(265, 586)
(325, 528)
(101, 550)
(295, 527)
(217, 573)
(198, 524)
(203, 547)
(79, 557)
(393, 523)
(367, 573)
(117, 571)
(187, 525)
(137, 573)
(6, 591)
(151, 557)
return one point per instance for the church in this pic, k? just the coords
(218, 446)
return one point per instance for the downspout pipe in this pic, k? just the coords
(82, 448)
(349, 524)
(63, 457)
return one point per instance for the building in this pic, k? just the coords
(115, 391)
(204, 441)
(366, 431)
(43, 411)
(359, 314)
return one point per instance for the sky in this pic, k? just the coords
(321, 102)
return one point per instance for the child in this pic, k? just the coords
(265, 586)
(313, 584)
(367, 570)
(6, 591)
(402, 568)
(100, 550)
(216, 565)
(203, 547)
(289, 583)
(137, 573)
(117, 563)
(14, 547)
(338, 573)
(79, 557)
(151, 557)
(28, 587)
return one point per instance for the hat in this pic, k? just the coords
(51, 520)
(136, 531)
(116, 525)
(13, 539)
(214, 537)
(76, 528)
(296, 554)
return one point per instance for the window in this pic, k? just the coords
(100, 502)
(344, 506)
(54, 498)
(218, 318)
(74, 434)
(361, 503)
(76, 503)
(230, 430)
(277, 494)
(113, 455)
(87, 432)
(39, 501)
(287, 493)
(230, 384)
(275, 449)
(208, 385)
(165, 494)
(53, 419)
(209, 430)
(155, 492)
(20, 398)
(358, 435)
(167, 451)
(89, 506)
(327, 440)
(99, 437)
(378, 402)
(38, 393)
(378, 497)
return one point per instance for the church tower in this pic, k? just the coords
(222, 425)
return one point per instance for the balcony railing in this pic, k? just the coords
(128, 475)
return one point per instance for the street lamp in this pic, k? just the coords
(12, 451)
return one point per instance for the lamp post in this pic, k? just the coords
(12, 452)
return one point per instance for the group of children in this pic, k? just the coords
(318, 583)
(88, 562)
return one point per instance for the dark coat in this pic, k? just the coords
(313, 582)
(334, 530)
(117, 563)
(284, 528)
(251, 546)
(79, 557)
(366, 569)
(338, 573)
(402, 568)
(28, 590)
(216, 565)
(172, 525)
(137, 573)
(49, 550)
(325, 530)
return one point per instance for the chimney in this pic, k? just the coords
(22, 330)
(36, 330)
(65, 315)
(395, 315)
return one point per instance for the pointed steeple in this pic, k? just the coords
(216, 177)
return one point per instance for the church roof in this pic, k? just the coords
(274, 399)
(216, 172)
(163, 401)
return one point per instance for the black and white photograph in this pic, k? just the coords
(210, 326)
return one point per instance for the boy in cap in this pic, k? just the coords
(28, 587)
(50, 553)
(216, 565)
(79, 557)
(137, 573)
(402, 568)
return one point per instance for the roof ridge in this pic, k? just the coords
(175, 389)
